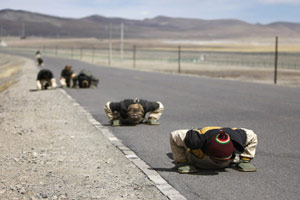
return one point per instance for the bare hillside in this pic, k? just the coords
(17, 23)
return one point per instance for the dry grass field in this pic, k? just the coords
(9, 69)
(249, 59)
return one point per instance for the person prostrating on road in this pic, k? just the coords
(213, 148)
(67, 76)
(45, 80)
(134, 111)
(85, 80)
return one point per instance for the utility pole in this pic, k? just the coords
(110, 46)
(134, 55)
(179, 59)
(23, 33)
(122, 41)
(276, 60)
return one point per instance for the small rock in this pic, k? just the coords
(45, 196)
(22, 190)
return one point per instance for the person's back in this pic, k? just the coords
(45, 79)
(86, 80)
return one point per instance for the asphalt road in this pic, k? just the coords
(273, 112)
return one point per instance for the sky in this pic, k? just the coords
(251, 11)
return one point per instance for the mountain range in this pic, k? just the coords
(24, 23)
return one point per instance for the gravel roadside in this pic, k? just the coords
(50, 150)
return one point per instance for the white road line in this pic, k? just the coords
(159, 182)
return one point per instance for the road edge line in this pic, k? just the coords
(162, 185)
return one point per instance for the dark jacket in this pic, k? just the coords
(85, 76)
(197, 139)
(122, 107)
(45, 74)
(67, 74)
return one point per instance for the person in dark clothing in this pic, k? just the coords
(85, 80)
(66, 77)
(133, 111)
(213, 148)
(39, 59)
(45, 80)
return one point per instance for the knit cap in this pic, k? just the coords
(220, 147)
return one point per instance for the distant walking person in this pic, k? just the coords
(45, 80)
(39, 59)
(85, 80)
(66, 77)
(131, 112)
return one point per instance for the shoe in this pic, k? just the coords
(153, 122)
(246, 167)
(115, 123)
(186, 169)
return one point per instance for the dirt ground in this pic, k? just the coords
(10, 68)
(290, 78)
(49, 150)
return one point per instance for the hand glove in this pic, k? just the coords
(153, 122)
(115, 123)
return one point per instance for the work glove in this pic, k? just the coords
(245, 166)
(185, 168)
(152, 122)
(115, 123)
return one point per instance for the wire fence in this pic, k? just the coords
(175, 59)
(170, 59)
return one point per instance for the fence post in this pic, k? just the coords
(109, 53)
(80, 53)
(179, 59)
(93, 54)
(134, 55)
(276, 59)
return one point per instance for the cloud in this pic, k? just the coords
(144, 13)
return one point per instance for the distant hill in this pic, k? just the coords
(18, 23)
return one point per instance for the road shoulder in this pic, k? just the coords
(50, 150)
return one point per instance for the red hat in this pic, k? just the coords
(220, 147)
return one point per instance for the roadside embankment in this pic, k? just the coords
(10, 68)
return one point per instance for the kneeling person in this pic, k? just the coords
(133, 112)
(85, 80)
(45, 80)
(213, 148)
(66, 77)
